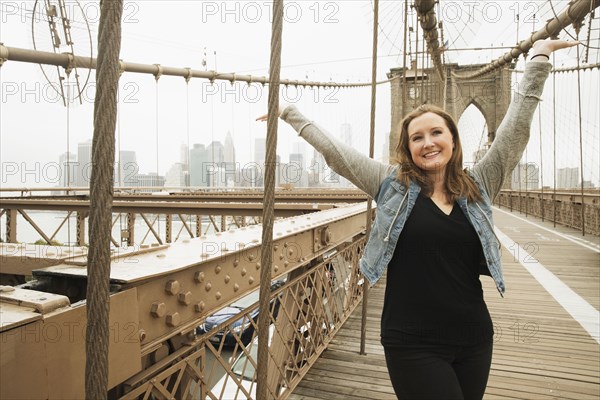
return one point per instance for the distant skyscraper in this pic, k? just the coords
(229, 149)
(199, 163)
(259, 151)
(216, 153)
(84, 164)
(528, 175)
(184, 156)
(126, 169)
(567, 178)
(67, 169)
(176, 176)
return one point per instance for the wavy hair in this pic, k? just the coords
(457, 181)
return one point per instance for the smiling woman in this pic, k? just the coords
(434, 233)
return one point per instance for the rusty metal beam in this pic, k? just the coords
(179, 207)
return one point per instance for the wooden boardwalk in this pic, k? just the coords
(540, 350)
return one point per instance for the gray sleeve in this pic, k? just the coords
(513, 133)
(366, 173)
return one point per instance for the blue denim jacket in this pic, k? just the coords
(394, 205)
(395, 202)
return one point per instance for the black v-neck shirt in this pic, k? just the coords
(433, 293)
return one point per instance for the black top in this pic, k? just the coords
(433, 292)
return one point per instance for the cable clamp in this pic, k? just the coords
(159, 72)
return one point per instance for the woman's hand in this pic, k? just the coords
(282, 107)
(547, 46)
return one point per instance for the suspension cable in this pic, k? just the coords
(101, 196)
(269, 203)
(363, 325)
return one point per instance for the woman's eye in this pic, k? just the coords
(437, 132)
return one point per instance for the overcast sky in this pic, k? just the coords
(322, 40)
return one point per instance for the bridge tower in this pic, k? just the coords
(489, 93)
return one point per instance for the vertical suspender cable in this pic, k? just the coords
(365, 303)
(580, 138)
(541, 161)
(269, 203)
(68, 100)
(404, 59)
(554, 139)
(101, 195)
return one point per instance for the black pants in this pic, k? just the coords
(439, 371)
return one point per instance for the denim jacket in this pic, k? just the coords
(394, 204)
(395, 201)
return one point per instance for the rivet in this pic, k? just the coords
(218, 296)
(172, 287)
(251, 280)
(158, 310)
(173, 319)
(290, 252)
(199, 306)
(236, 287)
(185, 298)
(236, 263)
(217, 269)
(257, 265)
(208, 287)
(285, 244)
(275, 247)
(251, 257)
(142, 335)
(281, 256)
(244, 271)
(227, 278)
(286, 263)
(275, 268)
(199, 276)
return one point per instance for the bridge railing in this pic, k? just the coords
(564, 208)
(305, 315)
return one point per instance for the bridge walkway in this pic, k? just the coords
(547, 326)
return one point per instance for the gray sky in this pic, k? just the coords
(323, 40)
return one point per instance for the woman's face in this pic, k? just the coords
(430, 142)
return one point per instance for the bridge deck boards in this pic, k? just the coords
(540, 350)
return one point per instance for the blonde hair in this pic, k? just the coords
(457, 181)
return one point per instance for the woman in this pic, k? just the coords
(433, 231)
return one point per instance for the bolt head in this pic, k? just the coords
(185, 298)
(173, 319)
(172, 287)
(158, 310)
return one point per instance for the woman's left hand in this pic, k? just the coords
(548, 46)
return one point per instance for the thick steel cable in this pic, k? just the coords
(262, 389)
(69, 61)
(101, 195)
(365, 300)
(425, 9)
(574, 13)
